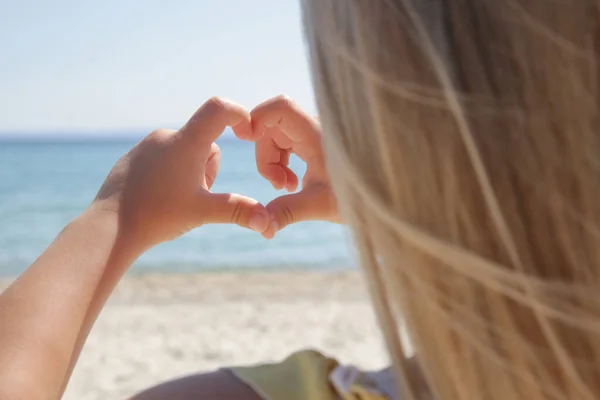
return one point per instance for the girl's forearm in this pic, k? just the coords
(44, 312)
(109, 281)
(157, 191)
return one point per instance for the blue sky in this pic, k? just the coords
(73, 66)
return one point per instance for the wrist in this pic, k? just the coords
(107, 225)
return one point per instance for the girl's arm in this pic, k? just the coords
(42, 313)
(156, 192)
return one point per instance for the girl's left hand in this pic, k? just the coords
(282, 129)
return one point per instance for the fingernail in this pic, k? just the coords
(258, 222)
(274, 225)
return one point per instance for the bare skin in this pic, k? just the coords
(282, 128)
(285, 129)
(156, 192)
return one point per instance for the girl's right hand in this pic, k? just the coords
(287, 129)
(161, 188)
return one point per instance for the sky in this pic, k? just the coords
(117, 66)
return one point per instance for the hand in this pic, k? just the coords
(161, 188)
(286, 129)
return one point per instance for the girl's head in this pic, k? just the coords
(464, 144)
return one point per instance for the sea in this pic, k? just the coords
(45, 183)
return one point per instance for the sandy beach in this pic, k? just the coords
(158, 327)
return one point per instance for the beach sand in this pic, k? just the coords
(159, 327)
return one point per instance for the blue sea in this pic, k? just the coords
(45, 184)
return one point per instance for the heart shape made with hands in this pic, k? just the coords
(284, 129)
(156, 191)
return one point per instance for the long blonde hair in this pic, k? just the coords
(462, 137)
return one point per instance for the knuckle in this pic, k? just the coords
(286, 216)
(216, 103)
(236, 215)
(159, 135)
(283, 100)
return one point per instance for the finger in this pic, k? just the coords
(212, 166)
(312, 204)
(292, 182)
(229, 208)
(281, 177)
(272, 161)
(283, 113)
(211, 119)
(276, 175)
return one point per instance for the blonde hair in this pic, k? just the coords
(462, 137)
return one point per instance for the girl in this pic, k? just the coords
(461, 145)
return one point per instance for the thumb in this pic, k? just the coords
(310, 204)
(230, 208)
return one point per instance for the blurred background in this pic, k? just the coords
(81, 82)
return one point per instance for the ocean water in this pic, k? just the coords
(44, 185)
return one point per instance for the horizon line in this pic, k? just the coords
(75, 135)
